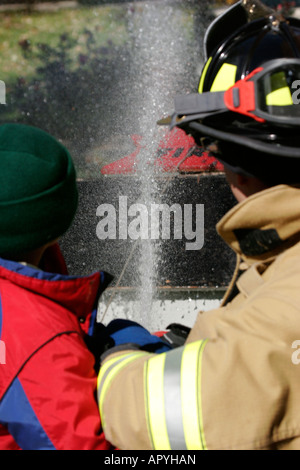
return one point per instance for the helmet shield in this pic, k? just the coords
(276, 93)
(260, 112)
(269, 94)
(247, 109)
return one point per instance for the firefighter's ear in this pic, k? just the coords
(243, 186)
(237, 183)
(249, 185)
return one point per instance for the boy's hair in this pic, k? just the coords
(38, 193)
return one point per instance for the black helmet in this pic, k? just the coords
(245, 36)
(247, 107)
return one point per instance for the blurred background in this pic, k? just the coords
(98, 75)
(72, 67)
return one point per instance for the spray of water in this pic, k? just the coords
(163, 58)
(159, 51)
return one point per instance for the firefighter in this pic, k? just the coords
(234, 382)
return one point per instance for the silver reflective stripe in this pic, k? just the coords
(172, 392)
(173, 398)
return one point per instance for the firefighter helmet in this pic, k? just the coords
(245, 36)
(261, 54)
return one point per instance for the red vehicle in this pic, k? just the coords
(178, 152)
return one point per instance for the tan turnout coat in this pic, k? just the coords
(235, 384)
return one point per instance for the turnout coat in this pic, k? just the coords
(47, 377)
(235, 382)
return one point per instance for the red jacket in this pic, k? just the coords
(47, 377)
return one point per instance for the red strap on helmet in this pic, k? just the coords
(240, 98)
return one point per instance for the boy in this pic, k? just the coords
(47, 381)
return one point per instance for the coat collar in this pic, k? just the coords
(263, 225)
(77, 294)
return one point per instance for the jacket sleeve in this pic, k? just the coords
(52, 403)
(235, 388)
(158, 392)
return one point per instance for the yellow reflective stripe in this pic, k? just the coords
(173, 399)
(111, 361)
(154, 385)
(225, 78)
(107, 373)
(279, 92)
(281, 97)
(191, 372)
(203, 75)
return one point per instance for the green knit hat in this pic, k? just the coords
(38, 193)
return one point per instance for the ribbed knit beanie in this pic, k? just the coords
(38, 193)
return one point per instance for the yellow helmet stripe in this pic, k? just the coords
(173, 398)
(203, 75)
(225, 78)
(281, 97)
(279, 91)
